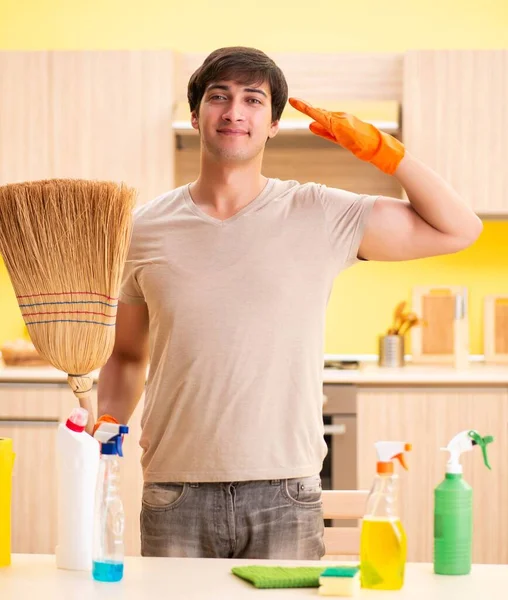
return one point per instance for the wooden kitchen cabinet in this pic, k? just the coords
(88, 114)
(30, 415)
(455, 119)
(428, 418)
(109, 114)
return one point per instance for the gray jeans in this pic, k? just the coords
(279, 519)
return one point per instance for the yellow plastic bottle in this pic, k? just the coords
(383, 539)
(6, 464)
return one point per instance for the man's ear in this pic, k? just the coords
(274, 129)
(194, 120)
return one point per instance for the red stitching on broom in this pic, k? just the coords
(68, 312)
(63, 293)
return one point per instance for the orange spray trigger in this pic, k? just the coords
(402, 460)
(401, 457)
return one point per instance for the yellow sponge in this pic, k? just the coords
(339, 581)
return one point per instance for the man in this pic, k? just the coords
(224, 293)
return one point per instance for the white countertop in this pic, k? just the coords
(369, 374)
(36, 576)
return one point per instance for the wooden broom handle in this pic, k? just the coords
(82, 386)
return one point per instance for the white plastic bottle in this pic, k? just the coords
(108, 551)
(78, 456)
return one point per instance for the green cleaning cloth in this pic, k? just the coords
(280, 577)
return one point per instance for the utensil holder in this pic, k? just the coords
(391, 351)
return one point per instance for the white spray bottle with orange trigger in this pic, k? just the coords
(383, 539)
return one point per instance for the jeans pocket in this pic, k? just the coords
(303, 491)
(164, 496)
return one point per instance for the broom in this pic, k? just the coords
(64, 243)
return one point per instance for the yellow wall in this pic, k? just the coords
(365, 295)
(200, 25)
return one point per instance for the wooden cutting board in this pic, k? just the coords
(434, 342)
(495, 329)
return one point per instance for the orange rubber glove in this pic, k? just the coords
(104, 419)
(362, 139)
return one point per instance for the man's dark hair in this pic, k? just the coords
(246, 66)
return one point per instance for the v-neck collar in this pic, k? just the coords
(253, 204)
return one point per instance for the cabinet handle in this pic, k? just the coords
(339, 429)
(27, 421)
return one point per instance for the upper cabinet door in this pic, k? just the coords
(455, 119)
(111, 117)
(88, 114)
(24, 116)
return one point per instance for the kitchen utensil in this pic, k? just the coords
(409, 320)
(397, 317)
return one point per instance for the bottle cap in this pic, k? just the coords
(77, 419)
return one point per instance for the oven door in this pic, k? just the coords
(340, 430)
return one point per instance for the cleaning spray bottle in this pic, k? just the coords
(77, 467)
(453, 508)
(108, 550)
(6, 464)
(383, 539)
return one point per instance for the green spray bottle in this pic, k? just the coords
(453, 508)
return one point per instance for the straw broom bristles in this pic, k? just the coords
(64, 243)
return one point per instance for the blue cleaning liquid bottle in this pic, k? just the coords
(108, 540)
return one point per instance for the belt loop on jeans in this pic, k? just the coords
(194, 485)
(275, 481)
